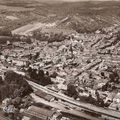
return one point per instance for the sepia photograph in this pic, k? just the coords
(59, 59)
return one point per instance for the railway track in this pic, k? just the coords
(63, 109)
(85, 106)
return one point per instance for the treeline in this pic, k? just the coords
(82, 28)
(5, 32)
(6, 35)
(50, 37)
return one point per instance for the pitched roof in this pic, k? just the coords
(41, 113)
(44, 95)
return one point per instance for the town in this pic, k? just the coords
(49, 72)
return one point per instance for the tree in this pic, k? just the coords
(71, 90)
(12, 77)
(5, 32)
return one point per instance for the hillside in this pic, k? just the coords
(82, 16)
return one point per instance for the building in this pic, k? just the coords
(44, 95)
(37, 113)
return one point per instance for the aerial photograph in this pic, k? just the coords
(59, 59)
